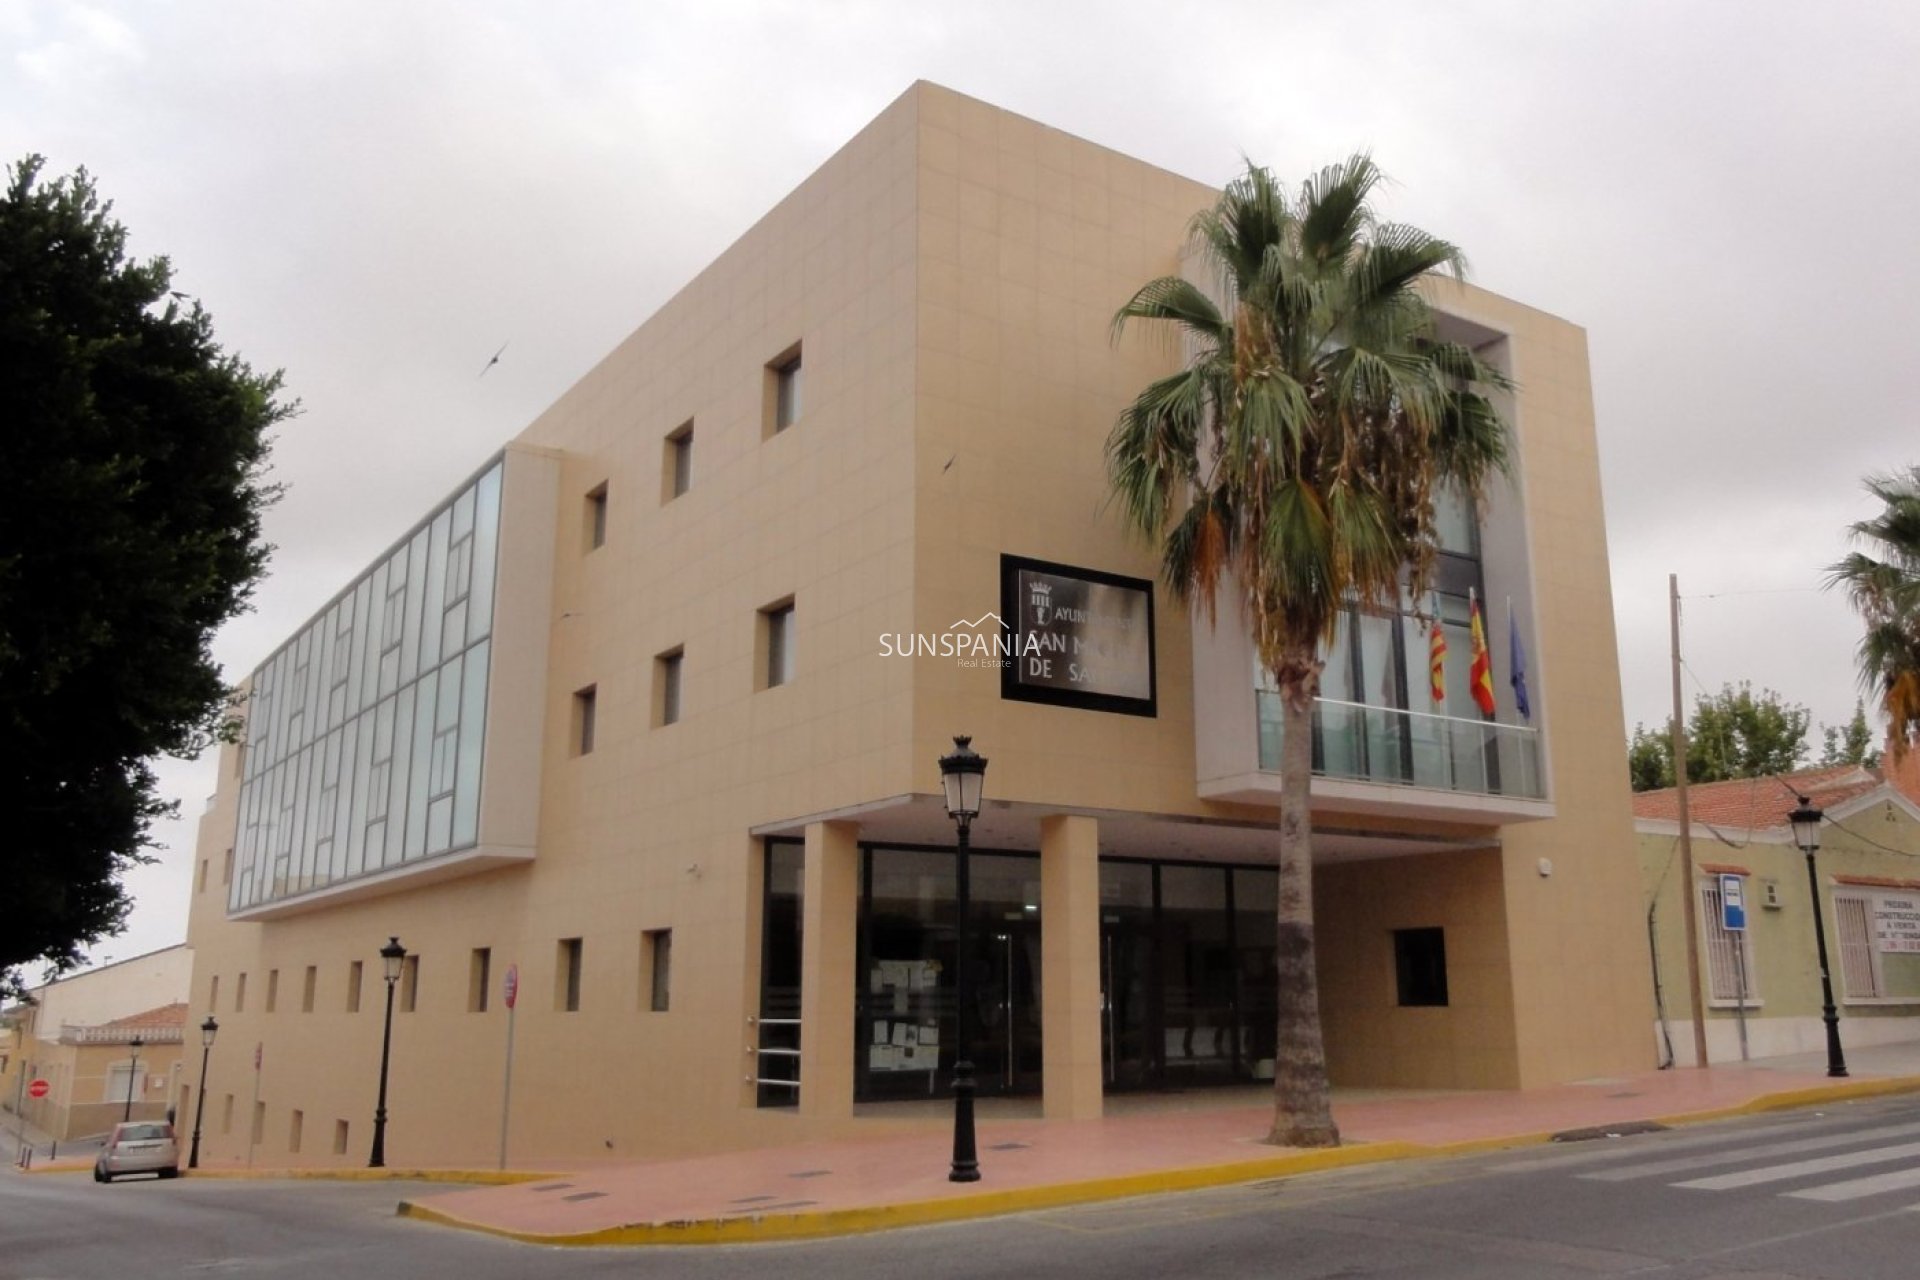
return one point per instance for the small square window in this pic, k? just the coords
(1420, 966)
(566, 987)
(666, 687)
(585, 710)
(596, 516)
(782, 403)
(776, 645)
(677, 470)
(656, 959)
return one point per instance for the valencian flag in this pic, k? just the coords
(1437, 661)
(1480, 678)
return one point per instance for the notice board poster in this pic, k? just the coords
(1077, 637)
(1896, 924)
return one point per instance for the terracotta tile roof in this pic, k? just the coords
(167, 1015)
(1759, 804)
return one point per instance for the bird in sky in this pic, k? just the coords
(496, 359)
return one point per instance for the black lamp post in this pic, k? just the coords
(1806, 834)
(133, 1073)
(392, 956)
(963, 773)
(208, 1030)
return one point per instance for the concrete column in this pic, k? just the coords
(829, 911)
(1070, 966)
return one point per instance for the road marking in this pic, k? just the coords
(1766, 1151)
(1598, 1150)
(1801, 1168)
(1879, 1183)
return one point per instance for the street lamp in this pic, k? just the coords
(133, 1073)
(963, 773)
(1806, 834)
(392, 955)
(208, 1030)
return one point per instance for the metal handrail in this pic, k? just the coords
(756, 1051)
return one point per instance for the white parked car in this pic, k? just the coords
(139, 1146)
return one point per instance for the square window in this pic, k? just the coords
(666, 687)
(677, 469)
(656, 968)
(596, 516)
(584, 712)
(566, 987)
(776, 644)
(782, 399)
(1420, 966)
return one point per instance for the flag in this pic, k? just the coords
(1517, 659)
(1480, 677)
(1437, 662)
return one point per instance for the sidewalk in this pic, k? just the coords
(1200, 1140)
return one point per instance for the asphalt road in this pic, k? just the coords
(1830, 1195)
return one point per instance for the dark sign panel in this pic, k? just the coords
(1078, 637)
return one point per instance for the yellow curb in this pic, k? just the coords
(477, 1177)
(59, 1166)
(1789, 1099)
(749, 1228)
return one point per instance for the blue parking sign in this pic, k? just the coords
(1733, 904)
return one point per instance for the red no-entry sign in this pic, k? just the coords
(38, 1089)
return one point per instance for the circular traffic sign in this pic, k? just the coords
(512, 984)
(38, 1089)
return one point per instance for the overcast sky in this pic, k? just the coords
(375, 196)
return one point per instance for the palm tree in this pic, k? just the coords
(1297, 456)
(1884, 584)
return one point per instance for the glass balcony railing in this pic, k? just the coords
(1359, 743)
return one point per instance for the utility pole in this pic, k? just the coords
(1689, 885)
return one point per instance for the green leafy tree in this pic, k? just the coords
(1293, 462)
(130, 500)
(1735, 733)
(1883, 581)
(1851, 743)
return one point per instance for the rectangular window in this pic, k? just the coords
(781, 401)
(240, 995)
(584, 709)
(666, 688)
(656, 952)
(308, 987)
(226, 869)
(226, 1115)
(1420, 966)
(294, 1126)
(273, 989)
(566, 987)
(259, 1124)
(596, 516)
(479, 972)
(202, 886)
(776, 644)
(1729, 954)
(677, 469)
(1853, 929)
(339, 1137)
(213, 994)
(353, 987)
(409, 983)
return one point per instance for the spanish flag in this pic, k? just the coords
(1480, 676)
(1437, 662)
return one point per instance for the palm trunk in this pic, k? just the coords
(1302, 1116)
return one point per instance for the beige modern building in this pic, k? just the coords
(1760, 982)
(648, 713)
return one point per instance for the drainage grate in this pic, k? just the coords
(769, 1208)
(583, 1195)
